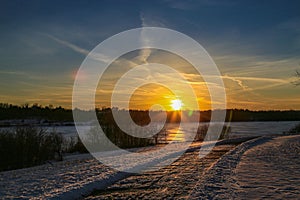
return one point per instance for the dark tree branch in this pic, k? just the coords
(297, 81)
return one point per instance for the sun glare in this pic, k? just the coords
(176, 104)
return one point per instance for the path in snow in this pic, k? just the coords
(79, 175)
(174, 181)
(265, 167)
(215, 176)
(271, 170)
(261, 168)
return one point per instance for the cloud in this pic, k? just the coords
(68, 44)
(265, 83)
(93, 55)
(17, 75)
(257, 66)
(147, 22)
(152, 21)
(13, 72)
(239, 82)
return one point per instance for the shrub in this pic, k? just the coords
(28, 146)
(202, 131)
(75, 145)
(116, 136)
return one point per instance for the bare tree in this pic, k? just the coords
(296, 82)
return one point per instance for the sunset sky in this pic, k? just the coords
(255, 44)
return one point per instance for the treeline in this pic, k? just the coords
(35, 111)
(271, 115)
(59, 114)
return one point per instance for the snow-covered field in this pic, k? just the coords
(76, 176)
(271, 170)
(50, 180)
(262, 167)
(265, 167)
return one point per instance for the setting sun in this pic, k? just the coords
(176, 104)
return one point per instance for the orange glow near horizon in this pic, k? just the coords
(152, 94)
(149, 96)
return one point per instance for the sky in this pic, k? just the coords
(255, 44)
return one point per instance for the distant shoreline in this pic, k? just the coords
(38, 123)
(45, 114)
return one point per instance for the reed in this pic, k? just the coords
(28, 146)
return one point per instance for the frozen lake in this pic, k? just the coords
(238, 129)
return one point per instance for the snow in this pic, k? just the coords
(271, 170)
(50, 180)
(261, 167)
(77, 175)
(266, 167)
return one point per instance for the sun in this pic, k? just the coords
(176, 104)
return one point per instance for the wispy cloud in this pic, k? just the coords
(68, 44)
(145, 53)
(238, 81)
(17, 74)
(152, 21)
(12, 72)
(92, 54)
(275, 81)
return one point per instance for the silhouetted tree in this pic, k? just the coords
(297, 81)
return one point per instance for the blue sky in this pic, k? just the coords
(256, 44)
